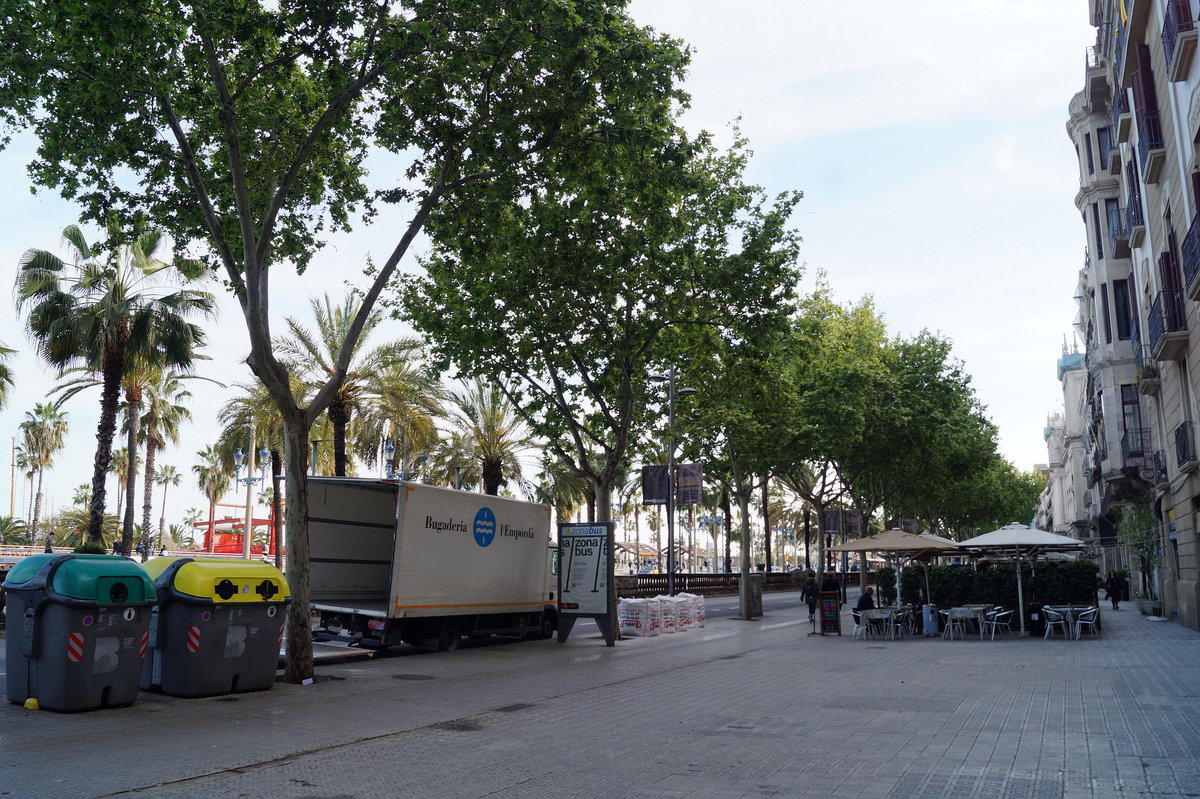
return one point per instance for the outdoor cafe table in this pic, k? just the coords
(973, 613)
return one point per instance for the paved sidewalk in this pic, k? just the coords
(737, 709)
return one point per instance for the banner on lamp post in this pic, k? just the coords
(655, 485)
(690, 483)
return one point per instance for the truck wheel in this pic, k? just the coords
(450, 637)
(547, 627)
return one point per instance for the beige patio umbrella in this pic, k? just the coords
(899, 546)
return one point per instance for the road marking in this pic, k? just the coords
(780, 624)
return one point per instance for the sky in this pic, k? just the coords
(929, 141)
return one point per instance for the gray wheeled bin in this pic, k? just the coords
(217, 626)
(77, 630)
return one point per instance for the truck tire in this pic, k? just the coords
(450, 637)
(546, 628)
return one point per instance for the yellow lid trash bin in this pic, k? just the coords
(217, 627)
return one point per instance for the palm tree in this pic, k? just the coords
(213, 477)
(164, 413)
(44, 433)
(12, 530)
(6, 376)
(108, 316)
(401, 404)
(314, 355)
(494, 431)
(168, 475)
(25, 464)
(119, 466)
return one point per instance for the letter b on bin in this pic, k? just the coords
(77, 630)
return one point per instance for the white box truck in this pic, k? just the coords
(397, 562)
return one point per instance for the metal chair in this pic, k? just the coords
(1056, 620)
(957, 620)
(1088, 618)
(998, 620)
(860, 629)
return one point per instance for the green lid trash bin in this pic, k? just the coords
(77, 630)
(217, 626)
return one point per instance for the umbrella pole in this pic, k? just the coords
(899, 568)
(1020, 594)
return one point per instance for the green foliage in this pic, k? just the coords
(1058, 582)
(90, 548)
(1139, 530)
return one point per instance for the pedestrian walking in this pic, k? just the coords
(810, 594)
(1114, 589)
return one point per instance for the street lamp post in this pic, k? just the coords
(672, 393)
(238, 457)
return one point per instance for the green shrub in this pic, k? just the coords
(1065, 582)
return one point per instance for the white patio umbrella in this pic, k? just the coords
(1017, 540)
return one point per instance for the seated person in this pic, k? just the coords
(866, 601)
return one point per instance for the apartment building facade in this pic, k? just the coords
(1066, 502)
(1136, 127)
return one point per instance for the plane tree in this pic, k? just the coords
(244, 128)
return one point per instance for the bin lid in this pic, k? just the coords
(103, 579)
(218, 579)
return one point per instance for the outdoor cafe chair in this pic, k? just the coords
(999, 620)
(899, 623)
(1056, 619)
(860, 629)
(957, 620)
(1089, 619)
(877, 623)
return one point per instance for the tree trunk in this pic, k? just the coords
(727, 512)
(493, 475)
(766, 509)
(276, 507)
(110, 401)
(298, 662)
(807, 537)
(148, 497)
(133, 402)
(37, 507)
(744, 592)
(339, 417)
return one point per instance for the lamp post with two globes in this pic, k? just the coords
(672, 393)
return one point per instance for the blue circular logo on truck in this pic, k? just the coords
(484, 527)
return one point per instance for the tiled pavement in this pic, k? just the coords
(737, 709)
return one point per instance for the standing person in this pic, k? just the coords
(810, 594)
(1112, 589)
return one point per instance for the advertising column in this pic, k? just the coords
(586, 588)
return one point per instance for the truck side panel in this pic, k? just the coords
(462, 553)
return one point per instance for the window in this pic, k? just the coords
(1099, 232)
(1122, 308)
(1131, 416)
(1087, 145)
(1112, 210)
(1105, 314)
(1104, 142)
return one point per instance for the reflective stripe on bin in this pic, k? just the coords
(144, 644)
(193, 639)
(280, 641)
(75, 647)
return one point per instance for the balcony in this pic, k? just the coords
(1185, 448)
(1134, 223)
(1097, 80)
(1161, 480)
(1119, 235)
(1179, 39)
(1148, 379)
(1122, 118)
(1151, 150)
(1190, 252)
(1167, 326)
(1135, 449)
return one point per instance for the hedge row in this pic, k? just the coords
(1065, 582)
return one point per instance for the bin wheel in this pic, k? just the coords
(450, 637)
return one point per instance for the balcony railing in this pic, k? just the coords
(1133, 220)
(1150, 145)
(1167, 325)
(1160, 468)
(1119, 234)
(1135, 446)
(1190, 251)
(1185, 447)
(1178, 38)
(1121, 116)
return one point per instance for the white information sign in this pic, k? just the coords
(585, 578)
(583, 560)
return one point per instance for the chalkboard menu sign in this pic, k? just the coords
(831, 613)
